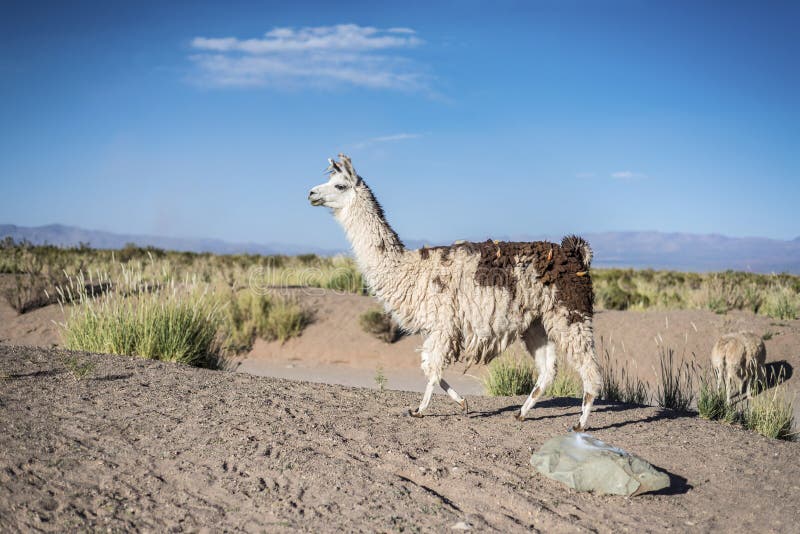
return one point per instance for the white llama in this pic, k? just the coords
(471, 300)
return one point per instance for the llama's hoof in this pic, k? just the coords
(464, 406)
(415, 413)
(578, 428)
(519, 417)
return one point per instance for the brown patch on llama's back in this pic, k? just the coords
(561, 265)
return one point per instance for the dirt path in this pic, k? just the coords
(143, 445)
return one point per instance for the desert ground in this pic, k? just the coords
(95, 442)
(110, 442)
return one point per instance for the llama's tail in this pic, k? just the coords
(579, 246)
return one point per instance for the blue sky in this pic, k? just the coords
(468, 119)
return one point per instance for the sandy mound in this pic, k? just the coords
(135, 444)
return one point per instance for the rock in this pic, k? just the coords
(461, 525)
(585, 463)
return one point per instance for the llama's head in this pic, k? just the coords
(340, 189)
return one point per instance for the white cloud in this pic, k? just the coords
(628, 175)
(386, 139)
(345, 54)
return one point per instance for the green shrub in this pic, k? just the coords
(248, 315)
(509, 375)
(380, 324)
(614, 298)
(712, 402)
(286, 319)
(168, 326)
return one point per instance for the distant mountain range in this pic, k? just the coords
(657, 250)
(70, 236)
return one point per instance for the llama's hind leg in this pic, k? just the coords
(544, 354)
(461, 401)
(591, 389)
(584, 359)
(576, 341)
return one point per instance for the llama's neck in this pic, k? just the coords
(376, 246)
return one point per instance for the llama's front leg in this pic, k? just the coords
(454, 395)
(426, 399)
(432, 366)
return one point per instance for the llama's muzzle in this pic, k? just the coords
(314, 198)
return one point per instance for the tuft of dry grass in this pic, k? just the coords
(162, 325)
(675, 390)
(712, 402)
(619, 385)
(247, 315)
(509, 375)
(566, 383)
(771, 413)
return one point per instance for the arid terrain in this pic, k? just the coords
(100, 441)
(110, 442)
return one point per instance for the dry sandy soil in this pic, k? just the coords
(95, 442)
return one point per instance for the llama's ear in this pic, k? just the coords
(347, 167)
(333, 166)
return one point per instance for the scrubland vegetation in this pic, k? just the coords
(769, 413)
(199, 308)
(776, 296)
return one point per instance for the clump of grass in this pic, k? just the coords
(380, 378)
(676, 387)
(566, 383)
(344, 277)
(179, 324)
(622, 386)
(248, 315)
(380, 324)
(614, 297)
(509, 375)
(77, 368)
(782, 303)
(712, 402)
(771, 414)
(286, 319)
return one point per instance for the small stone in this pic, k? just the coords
(461, 525)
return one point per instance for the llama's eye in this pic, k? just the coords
(340, 187)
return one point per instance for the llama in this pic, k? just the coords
(738, 358)
(471, 300)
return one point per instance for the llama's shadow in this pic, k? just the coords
(37, 374)
(568, 402)
(660, 415)
(554, 402)
(777, 373)
(111, 378)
